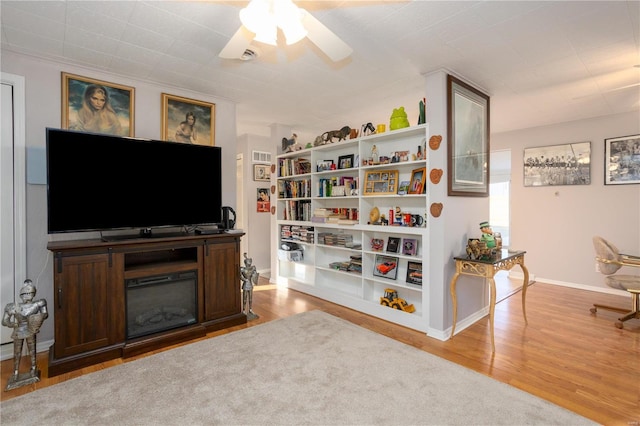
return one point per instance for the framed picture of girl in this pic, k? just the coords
(95, 106)
(188, 121)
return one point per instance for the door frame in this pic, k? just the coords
(17, 250)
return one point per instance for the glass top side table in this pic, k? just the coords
(487, 268)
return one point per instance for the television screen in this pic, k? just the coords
(102, 182)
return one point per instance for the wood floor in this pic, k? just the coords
(565, 354)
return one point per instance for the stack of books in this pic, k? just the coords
(355, 264)
(338, 239)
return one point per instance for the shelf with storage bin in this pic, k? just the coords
(322, 272)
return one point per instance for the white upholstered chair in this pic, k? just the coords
(609, 261)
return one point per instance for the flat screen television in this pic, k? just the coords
(98, 182)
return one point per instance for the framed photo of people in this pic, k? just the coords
(622, 160)
(96, 106)
(188, 120)
(468, 140)
(264, 200)
(567, 164)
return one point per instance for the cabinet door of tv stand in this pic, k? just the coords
(222, 298)
(87, 299)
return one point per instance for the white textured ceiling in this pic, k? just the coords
(542, 62)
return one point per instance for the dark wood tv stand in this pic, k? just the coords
(90, 296)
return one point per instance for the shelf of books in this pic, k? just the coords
(361, 205)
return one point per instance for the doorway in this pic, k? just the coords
(13, 267)
(499, 215)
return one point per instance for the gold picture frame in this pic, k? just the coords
(417, 182)
(382, 182)
(96, 106)
(176, 115)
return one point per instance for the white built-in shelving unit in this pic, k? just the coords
(301, 188)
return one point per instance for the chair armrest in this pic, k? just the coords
(630, 260)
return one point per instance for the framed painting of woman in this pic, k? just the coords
(187, 120)
(95, 106)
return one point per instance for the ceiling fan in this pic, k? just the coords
(261, 20)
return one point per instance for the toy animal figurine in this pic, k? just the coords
(318, 141)
(367, 129)
(341, 134)
(398, 119)
(289, 145)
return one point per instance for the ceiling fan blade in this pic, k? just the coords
(629, 86)
(324, 38)
(237, 45)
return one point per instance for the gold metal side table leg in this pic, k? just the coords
(454, 300)
(492, 309)
(525, 284)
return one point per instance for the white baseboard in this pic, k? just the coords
(6, 350)
(607, 290)
(519, 275)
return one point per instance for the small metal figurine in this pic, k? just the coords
(249, 276)
(25, 318)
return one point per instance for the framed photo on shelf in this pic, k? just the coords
(345, 161)
(468, 140)
(381, 182)
(622, 160)
(568, 164)
(414, 273)
(403, 188)
(385, 267)
(417, 183)
(96, 106)
(188, 121)
(261, 173)
(409, 246)
(324, 165)
(393, 245)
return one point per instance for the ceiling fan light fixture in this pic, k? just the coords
(268, 35)
(252, 16)
(294, 32)
(289, 18)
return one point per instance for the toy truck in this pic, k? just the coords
(392, 300)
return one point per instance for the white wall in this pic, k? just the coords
(257, 225)
(43, 109)
(555, 224)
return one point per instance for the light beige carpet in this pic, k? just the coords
(311, 368)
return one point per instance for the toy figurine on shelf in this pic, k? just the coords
(487, 235)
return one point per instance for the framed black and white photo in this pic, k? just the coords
(568, 164)
(386, 267)
(261, 173)
(468, 140)
(622, 160)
